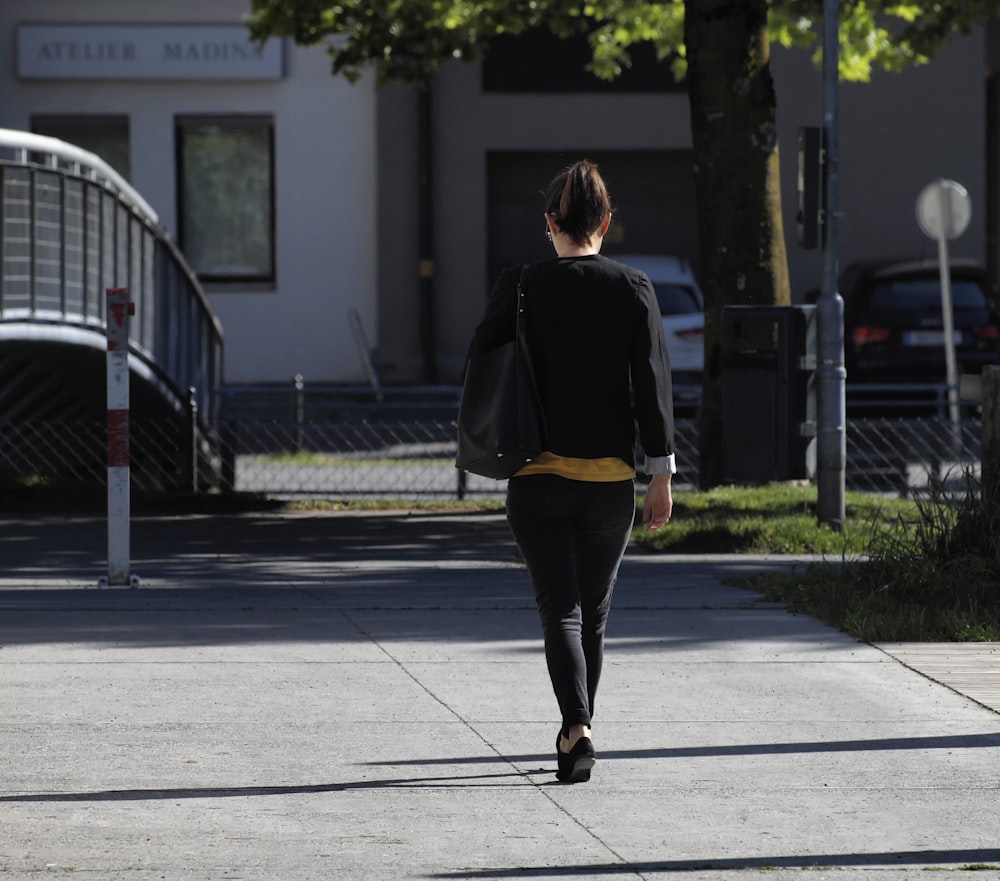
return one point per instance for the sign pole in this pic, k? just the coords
(948, 320)
(831, 376)
(943, 213)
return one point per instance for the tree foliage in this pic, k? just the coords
(407, 40)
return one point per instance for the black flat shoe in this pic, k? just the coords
(574, 766)
(565, 763)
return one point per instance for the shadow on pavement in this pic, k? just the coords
(60, 546)
(895, 859)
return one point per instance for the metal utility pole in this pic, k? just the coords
(831, 376)
(425, 197)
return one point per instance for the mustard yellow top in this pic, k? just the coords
(604, 470)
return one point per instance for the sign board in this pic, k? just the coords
(145, 52)
(943, 209)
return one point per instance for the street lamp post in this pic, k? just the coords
(831, 376)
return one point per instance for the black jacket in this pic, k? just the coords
(596, 338)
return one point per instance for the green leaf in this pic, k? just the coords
(407, 40)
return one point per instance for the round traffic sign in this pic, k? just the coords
(943, 209)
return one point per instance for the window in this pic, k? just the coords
(919, 300)
(106, 136)
(225, 174)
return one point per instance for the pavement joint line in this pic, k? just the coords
(527, 776)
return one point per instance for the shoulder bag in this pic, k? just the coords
(501, 426)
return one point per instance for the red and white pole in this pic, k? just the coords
(119, 512)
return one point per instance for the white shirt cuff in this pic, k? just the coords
(660, 465)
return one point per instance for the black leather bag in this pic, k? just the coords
(501, 426)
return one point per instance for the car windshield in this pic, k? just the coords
(892, 301)
(675, 299)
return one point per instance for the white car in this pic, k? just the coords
(683, 310)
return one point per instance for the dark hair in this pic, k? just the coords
(577, 200)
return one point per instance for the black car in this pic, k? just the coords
(893, 324)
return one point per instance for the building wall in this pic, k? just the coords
(897, 134)
(325, 181)
(347, 172)
(470, 124)
(398, 353)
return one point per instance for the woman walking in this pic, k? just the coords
(596, 341)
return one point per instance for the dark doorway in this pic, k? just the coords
(652, 192)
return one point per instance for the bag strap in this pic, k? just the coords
(520, 300)
(527, 384)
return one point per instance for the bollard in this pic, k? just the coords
(119, 442)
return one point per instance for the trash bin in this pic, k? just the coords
(768, 407)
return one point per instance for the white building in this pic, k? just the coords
(297, 197)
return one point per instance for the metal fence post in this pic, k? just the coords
(227, 454)
(191, 440)
(300, 411)
(831, 410)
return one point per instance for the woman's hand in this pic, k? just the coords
(659, 502)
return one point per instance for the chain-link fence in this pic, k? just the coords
(905, 454)
(73, 454)
(347, 449)
(371, 454)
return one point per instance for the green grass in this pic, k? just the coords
(774, 519)
(926, 569)
(360, 504)
(305, 459)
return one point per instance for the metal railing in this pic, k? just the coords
(71, 227)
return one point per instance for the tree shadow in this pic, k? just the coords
(889, 859)
(883, 744)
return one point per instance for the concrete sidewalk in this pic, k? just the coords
(365, 697)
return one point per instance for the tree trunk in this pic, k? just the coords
(737, 185)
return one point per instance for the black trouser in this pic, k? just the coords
(572, 535)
